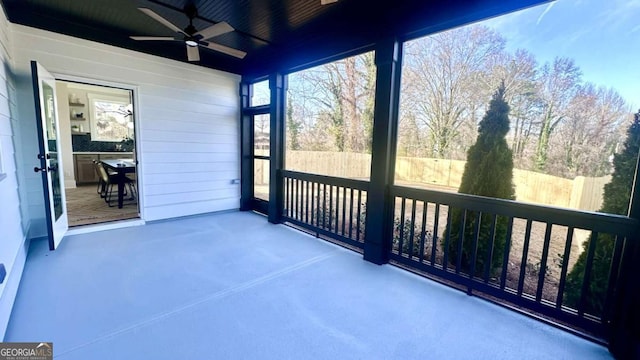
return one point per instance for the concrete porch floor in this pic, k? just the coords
(233, 286)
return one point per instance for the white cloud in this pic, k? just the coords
(545, 12)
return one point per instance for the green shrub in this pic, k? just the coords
(617, 194)
(487, 172)
(405, 229)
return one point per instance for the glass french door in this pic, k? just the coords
(44, 91)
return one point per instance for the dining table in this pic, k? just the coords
(121, 167)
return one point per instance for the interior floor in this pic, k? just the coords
(234, 286)
(85, 207)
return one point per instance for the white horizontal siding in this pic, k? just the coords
(166, 158)
(186, 107)
(177, 135)
(181, 144)
(183, 195)
(12, 234)
(207, 174)
(185, 209)
(192, 186)
(195, 119)
(87, 57)
(188, 168)
(188, 119)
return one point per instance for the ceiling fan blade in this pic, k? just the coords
(168, 38)
(161, 20)
(326, 2)
(214, 30)
(225, 49)
(193, 54)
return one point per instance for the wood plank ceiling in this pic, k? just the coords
(277, 35)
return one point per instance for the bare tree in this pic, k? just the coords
(437, 75)
(518, 71)
(410, 142)
(339, 95)
(559, 82)
(294, 126)
(587, 137)
(369, 93)
(558, 125)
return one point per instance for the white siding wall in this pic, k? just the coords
(13, 241)
(188, 122)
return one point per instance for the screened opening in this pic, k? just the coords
(521, 107)
(260, 95)
(261, 138)
(329, 118)
(261, 179)
(568, 113)
(260, 121)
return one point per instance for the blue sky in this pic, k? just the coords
(602, 36)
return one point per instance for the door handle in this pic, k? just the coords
(37, 169)
(47, 156)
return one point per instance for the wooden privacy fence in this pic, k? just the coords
(583, 193)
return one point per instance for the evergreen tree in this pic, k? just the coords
(487, 172)
(616, 198)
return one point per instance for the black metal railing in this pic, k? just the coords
(328, 206)
(519, 253)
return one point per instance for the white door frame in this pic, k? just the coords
(138, 148)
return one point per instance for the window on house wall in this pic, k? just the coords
(110, 118)
(568, 113)
(329, 118)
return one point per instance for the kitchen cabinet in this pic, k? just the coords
(84, 169)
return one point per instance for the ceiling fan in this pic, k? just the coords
(192, 37)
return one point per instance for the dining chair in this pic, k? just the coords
(101, 183)
(111, 180)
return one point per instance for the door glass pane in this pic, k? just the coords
(261, 179)
(50, 120)
(261, 133)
